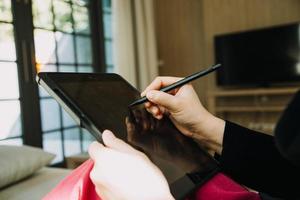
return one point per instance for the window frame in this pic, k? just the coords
(25, 59)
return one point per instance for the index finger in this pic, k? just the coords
(160, 82)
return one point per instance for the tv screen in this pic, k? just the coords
(259, 57)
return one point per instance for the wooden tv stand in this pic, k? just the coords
(257, 109)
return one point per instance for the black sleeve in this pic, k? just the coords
(252, 159)
(287, 131)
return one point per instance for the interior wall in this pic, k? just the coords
(186, 28)
(179, 37)
(227, 16)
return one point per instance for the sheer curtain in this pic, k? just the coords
(134, 46)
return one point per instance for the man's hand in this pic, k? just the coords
(122, 172)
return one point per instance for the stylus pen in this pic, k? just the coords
(179, 83)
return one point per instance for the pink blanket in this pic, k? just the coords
(221, 187)
(78, 186)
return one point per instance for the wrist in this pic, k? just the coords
(211, 132)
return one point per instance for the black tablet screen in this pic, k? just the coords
(104, 100)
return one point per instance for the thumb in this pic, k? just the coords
(95, 149)
(111, 141)
(163, 99)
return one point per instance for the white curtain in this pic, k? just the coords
(134, 42)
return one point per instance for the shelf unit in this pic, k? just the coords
(257, 109)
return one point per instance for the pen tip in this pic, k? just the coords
(132, 104)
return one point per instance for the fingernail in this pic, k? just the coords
(155, 110)
(108, 134)
(147, 104)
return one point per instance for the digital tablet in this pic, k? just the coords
(99, 101)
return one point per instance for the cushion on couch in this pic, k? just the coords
(18, 162)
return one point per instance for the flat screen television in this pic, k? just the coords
(263, 57)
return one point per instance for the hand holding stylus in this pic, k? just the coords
(185, 110)
(179, 83)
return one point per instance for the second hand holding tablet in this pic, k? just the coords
(179, 83)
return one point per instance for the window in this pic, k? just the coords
(107, 22)
(10, 112)
(62, 38)
(51, 35)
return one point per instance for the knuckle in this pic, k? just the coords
(158, 78)
(142, 156)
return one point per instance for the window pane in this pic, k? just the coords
(71, 141)
(81, 2)
(46, 68)
(107, 25)
(10, 118)
(67, 68)
(109, 69)
(67, 119)
(65, 48)
(108, 52)
(87, 139)
(42, 14)
(7, 43)
(63, 17)
(15, 141)
(84, 50)
(87, 69)
(81, 19)
(44, 46)
(9, 85)
(53, 144)
(106, 5)
(5, 10)
(50, 114)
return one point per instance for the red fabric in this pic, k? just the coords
(221, 187)
(78, 186)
